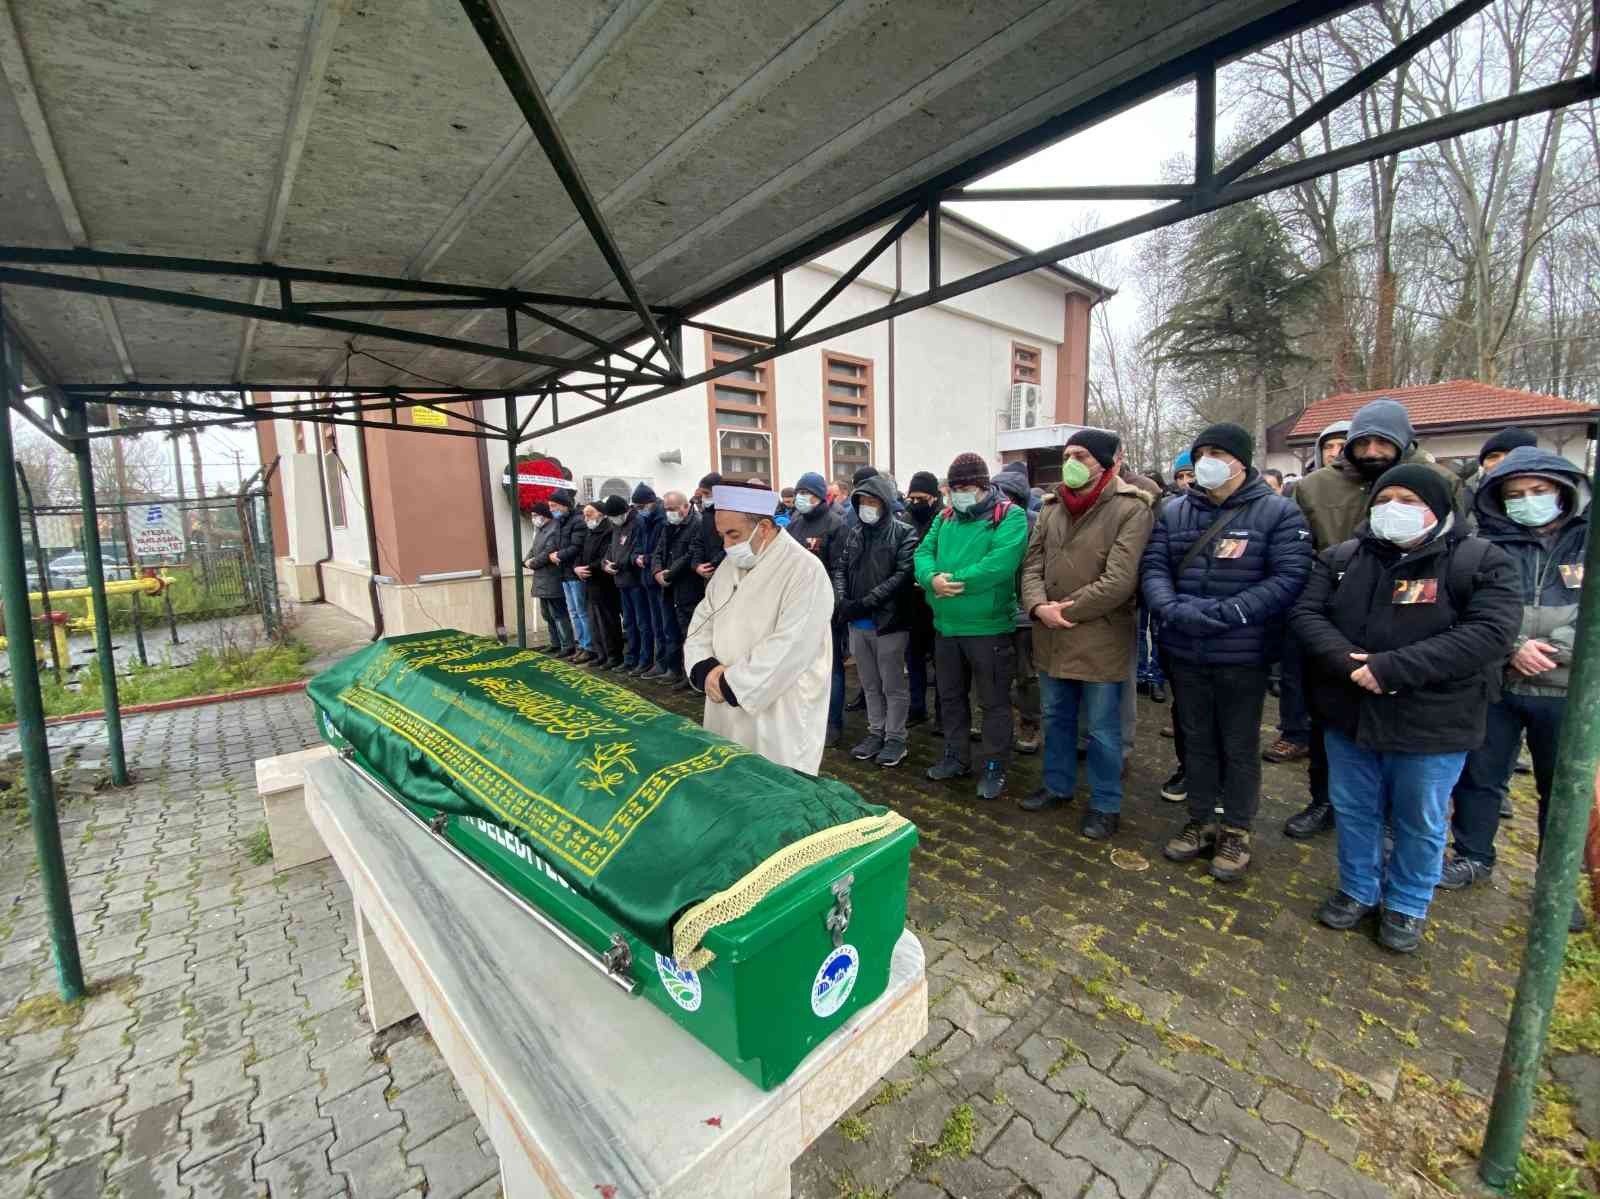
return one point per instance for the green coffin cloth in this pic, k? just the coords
(670, 829)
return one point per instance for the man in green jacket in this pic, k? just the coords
(967, 563)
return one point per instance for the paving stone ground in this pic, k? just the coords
(1103, 1023)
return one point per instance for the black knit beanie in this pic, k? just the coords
(614, 505)
(710, 481)
(1427, 482)
(1226, 436)
(925, 482)
(1505, 441)
(1103, 444)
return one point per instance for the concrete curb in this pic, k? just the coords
(167, 705)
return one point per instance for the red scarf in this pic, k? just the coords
(1079, 502)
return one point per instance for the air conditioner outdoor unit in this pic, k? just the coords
(597, 487)
(1026, 407)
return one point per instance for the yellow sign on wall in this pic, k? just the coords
(421, 414)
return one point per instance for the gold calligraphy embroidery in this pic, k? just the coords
(554, 716)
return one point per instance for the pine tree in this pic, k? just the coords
(1243, 291)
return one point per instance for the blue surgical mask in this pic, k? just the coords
(1534, 511)
(805, 502)
(963, 501)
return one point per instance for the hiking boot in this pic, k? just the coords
(1400, 932)
(1027, 738)
(993, 781)
(1459, 873)
(1193, 839)
(892, 753)
(1176, 788)
(1284, 750)
(1506, 810)
(1158, 693)
(1042, 799)
(1316, 817)
(1099, 826)
(868, 747)
(1340, 911)
(947, 767)
(1232, 857)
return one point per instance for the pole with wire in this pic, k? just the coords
(516, 518)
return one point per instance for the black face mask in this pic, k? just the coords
(920, 507)
(1371, 468)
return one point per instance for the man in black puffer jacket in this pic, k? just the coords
(872, 591)
(1406, 629)
(1225, 563)
(677, 552)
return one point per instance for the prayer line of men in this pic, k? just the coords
(1382, 582)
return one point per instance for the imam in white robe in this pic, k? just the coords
(770, 627)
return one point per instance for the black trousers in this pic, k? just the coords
(605, 621)
(1219, 711)
(959, 663)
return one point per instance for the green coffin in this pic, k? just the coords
(756, 906)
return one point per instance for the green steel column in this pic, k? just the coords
(77, 426)
(30, 711)
(516, 520)
(1566, 825)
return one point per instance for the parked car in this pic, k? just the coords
(70, 570)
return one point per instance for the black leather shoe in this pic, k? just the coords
(1158, 693)
(1042, 799)
(1316, 817)
(858, 704)
(1400, 932)
(1099, 826)
(1340, 911)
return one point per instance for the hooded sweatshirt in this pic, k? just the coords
(1334, 498)
(1339, 428)
(1549, 568)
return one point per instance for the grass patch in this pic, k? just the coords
(955, 1139)
(1546, 1175)
(39, 1013)
(854, 1128)
(213, 672)
(1575, 1021)
(258, 846)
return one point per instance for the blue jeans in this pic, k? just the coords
(578, 612)
(641, 641)
(1059, 702)
(1149, 660)
(1487, 773)
(1413, 790)
(665, 622)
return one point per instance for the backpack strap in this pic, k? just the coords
(1466, 568)
(1001, 507)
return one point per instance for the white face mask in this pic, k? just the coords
(743, 556)
(804, 502)
(1397, 522)
(538, 522)
(674, 517)
(869, 516)
(616, 520)
(1212, 473)
(593, 524)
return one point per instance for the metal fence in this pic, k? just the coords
(217, 552)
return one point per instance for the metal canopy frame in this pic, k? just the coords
(610, 376)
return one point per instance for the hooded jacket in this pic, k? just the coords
(1093, 561)
(1229, 605)
(981, 552)
(1429, 654)
(649, 526)
(679, 549)
(872, 567)
(1013, 484)
(1335, 498)
(1339, 428)
(1549, 569)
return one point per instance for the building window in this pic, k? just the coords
(744, 413)
(1024, 363)
(848, 418)
(334, 477)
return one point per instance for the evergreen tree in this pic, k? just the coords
(1242, 292)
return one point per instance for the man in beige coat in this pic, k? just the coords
(1079, 579)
